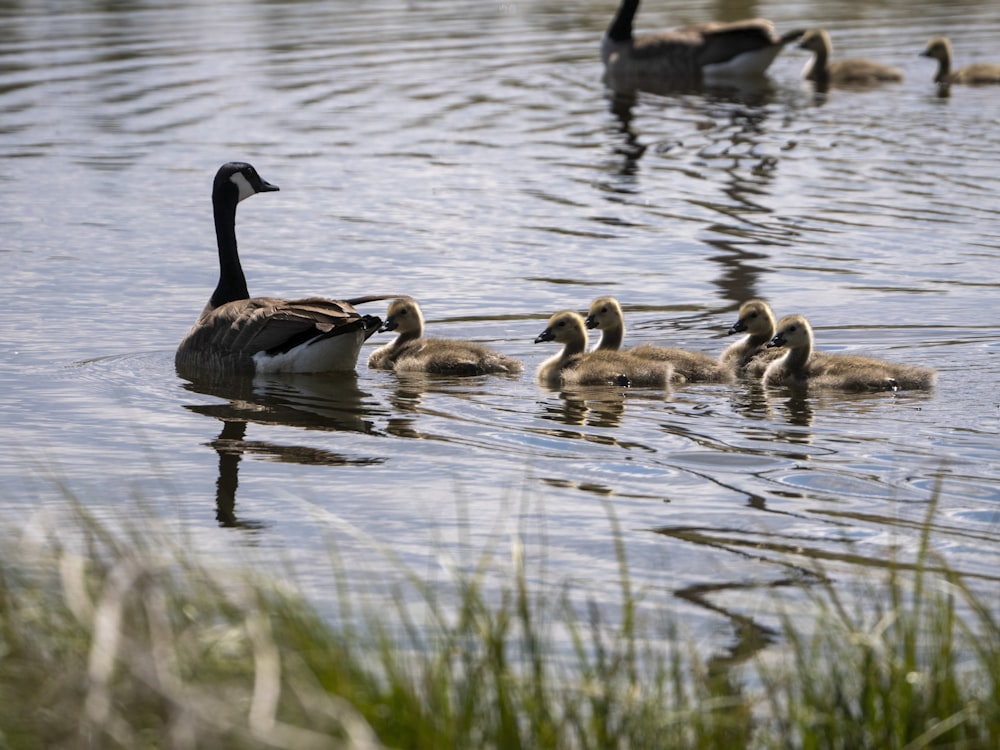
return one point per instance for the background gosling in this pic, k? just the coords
(573, 366)
(750, 355)
(607, 317)
(801, 366)
(410, 352)
(939, 48)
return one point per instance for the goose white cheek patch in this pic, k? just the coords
(243, 184)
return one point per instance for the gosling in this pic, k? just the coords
(939, 48)
(606, 316)
(750, 355)
(854, 71)
(574, 366)
(801, 366)
(411, 352)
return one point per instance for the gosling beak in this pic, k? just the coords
(591, 321)
(389, 325)
(545, 335)
(778, 340)
(738, 327)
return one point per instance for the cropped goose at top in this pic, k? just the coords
(606, 316)
(237, 333)
(801, 366)
(688, 54)
(573, 366)
(411, 352)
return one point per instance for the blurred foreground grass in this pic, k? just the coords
(125, 642)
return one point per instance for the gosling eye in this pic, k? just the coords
(604, 309)
(753, 315)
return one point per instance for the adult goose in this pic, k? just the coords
(750, 355)
(411, 352)
(854, 71)
(939, 48)
(237, 333)
(605, 315)
(573, 366)
(801, 366)
(689, 54)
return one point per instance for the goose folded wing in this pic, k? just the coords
(276, 326)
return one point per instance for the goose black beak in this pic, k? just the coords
(778, 340)
(389, 325)
(545, 335)
(590, 321)
(738, 327)
(268, 187)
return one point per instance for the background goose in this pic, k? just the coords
(939, 48)
(573, 366)
(750, 354)
(740, 48)
(802, 366)
(237, 333)
(852, 71)
(606, 316)
(410, 352)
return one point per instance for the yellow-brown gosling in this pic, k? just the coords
(236, 333)
(411, 352)
(854, 71)
(606, 316)
(689, 54)
(574, 366)
(801, 366)
(939, 48)
(750, 355)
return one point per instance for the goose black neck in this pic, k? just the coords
(232, 283)
(620, 29)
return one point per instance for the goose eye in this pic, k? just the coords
(753, 315)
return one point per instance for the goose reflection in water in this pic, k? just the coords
(310, 402)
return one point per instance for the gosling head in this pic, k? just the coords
(939, 48)
(815, 40)
(237, 180)
(566, 327)
(404, 317)
(755, 318)
(794, 332)
(605, 312)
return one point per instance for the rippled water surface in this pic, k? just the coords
(467, 153)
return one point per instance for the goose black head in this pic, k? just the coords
(242, 178)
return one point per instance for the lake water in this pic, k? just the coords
(467, 153)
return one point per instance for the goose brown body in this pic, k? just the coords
(411, 352)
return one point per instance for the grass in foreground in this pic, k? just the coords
(125, 646)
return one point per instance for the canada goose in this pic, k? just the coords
(606, 316)
(750, 354)
(689, 54)
(939, 48)
(853, 71)
(410, 352)
(236, 333)
(573, 366)
(802, 366)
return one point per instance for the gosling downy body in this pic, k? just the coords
(411, 352)
(939, 48)
(690, 54)
(750, 355)
(606, 316)
(574, 366)
(801, 366)
(236, 333)
(853, 71)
